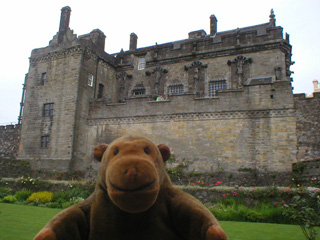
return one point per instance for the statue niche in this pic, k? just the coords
(239, 71)
(196, 76)
(157, 80)
(123, 85)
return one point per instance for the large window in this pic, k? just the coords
(214, 86)
(48, 109)
(176, 89)
(141, 63)
(45, 141)
(90, 79)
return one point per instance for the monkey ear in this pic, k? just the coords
(99, 151)
(165, 151)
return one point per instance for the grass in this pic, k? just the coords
(23, 222)
(19, 222)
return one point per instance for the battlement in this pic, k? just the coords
(9, 127)
(301, 96)
(203, 45)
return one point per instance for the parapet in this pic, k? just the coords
(97, 37)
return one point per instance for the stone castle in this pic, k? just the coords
(220, 101)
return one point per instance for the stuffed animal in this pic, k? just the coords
(134, 199)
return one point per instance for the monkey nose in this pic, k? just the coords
(131, 172)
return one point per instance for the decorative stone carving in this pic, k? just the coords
(272, 20)
(240, 61)
(123, 85)
(157, 81)
(196, 77)
(288, 65)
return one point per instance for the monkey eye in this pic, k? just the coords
(146, 150)
(116, 151)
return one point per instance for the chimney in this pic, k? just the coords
(213, 25)
(133, 42)
(315, 86)
(64, 22)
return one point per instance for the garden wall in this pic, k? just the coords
(9, 141)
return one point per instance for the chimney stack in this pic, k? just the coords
(213, 25)
(64, 22)
(316, 86)
(133, 42)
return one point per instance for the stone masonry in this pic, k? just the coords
(9, 139)
(308, 127)
(226, 99)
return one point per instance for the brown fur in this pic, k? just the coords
(134, 199)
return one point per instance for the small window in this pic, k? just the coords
(139, 92)
(48, 109)
(141, 63)
(100, 90)
(43, 78)
(45, 141)
(214, 86)
(176, 89)
(90, 80)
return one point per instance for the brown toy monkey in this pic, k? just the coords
(134, 199)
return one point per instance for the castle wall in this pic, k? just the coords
(226, 133)
(9, 141)
(308, 128)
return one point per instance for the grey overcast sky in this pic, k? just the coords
(26, 25)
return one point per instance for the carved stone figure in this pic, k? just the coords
(196, 80)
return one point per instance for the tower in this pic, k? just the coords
(61, 81)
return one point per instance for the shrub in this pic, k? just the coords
(40, 197)
(77, 192)
(304, 210)
(23, 195)
(53, 205)
(72, 202)
(9, 199)
(4, 192)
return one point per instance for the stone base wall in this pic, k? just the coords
(9, 141)
(209, 134)
(308, 126)
(307, 172)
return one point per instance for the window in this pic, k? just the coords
(100, 91)
(90, 80)
(139, 92)
(176, 89)
(141, 63)
(214, 86)
(43, 78)
(48, 109)
(45, 141)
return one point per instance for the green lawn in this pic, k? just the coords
(19, 222)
